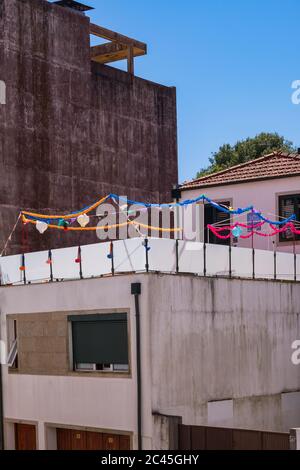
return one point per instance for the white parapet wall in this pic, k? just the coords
(160, 255)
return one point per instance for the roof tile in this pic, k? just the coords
(274, 165)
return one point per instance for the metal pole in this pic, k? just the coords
(253, 251)
(204, 259)
(24, 268)
(80, 263)
(295, 258)
(275, 262)
(146, 244)
(230, 262)
(51, 267)
(112, 258)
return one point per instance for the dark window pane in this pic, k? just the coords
(214, 216)
(289, 205)
(101, 341)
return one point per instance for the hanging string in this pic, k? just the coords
(104, 227)
(65, 217)
(229, 228)
(64, 220)
(3, 252)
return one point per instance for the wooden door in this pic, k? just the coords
(124, 443)
(111, 442)
(71, 439)
(94, 441)
(64, 439)
(25, 435)
(78, 439)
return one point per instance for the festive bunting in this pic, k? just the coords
(232, 230)
(65, 226)
(64, 222)
(237, 232)
(41, 227)
(83, 220)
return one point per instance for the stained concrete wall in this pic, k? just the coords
(227, 341)
(214, 351)
(72, 130)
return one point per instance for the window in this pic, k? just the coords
(212, 216)
(100, 343)
(289, 205)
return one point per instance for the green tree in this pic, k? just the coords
(245, 150)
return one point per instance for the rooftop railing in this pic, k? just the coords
(148, 255)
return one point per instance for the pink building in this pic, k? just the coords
(271, 184)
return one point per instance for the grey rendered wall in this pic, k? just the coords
(221, 351)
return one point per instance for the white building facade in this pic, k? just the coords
(214, 351)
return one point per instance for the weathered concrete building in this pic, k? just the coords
(213, 352)
(73, 129)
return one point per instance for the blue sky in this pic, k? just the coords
(232, 62)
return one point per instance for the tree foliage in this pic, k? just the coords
(245, 150)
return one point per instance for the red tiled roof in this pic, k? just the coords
(274, 165)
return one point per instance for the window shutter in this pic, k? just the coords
(288, 205)
(100, 339)
(215, 216)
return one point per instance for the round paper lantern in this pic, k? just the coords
(237, 232)
(41, 227)
(83, 220)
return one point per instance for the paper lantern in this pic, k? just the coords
(237, 232)
(83, 220)
(41, 227)
(124, 207)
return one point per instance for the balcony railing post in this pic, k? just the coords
(230, 261)
(80, 263)
(146, 245)
(253, 263)
(50, 263)
(204, 260)
(275, 265)
(112, 258)
(295, 260)
(24, 269)
(177, 256)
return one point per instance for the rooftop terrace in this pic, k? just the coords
(147, 255)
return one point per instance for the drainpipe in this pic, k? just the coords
(136, 290)
(176, 195)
